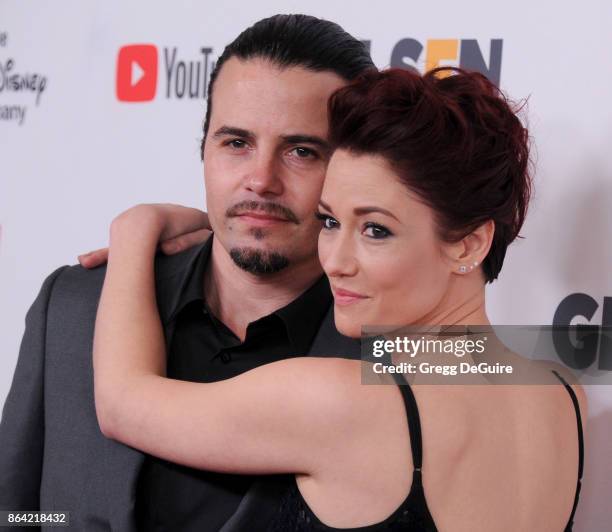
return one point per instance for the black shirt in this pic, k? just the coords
(172, 497)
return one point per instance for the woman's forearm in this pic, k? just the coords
(263, 421)
(129, 341)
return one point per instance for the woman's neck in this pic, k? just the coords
(463, 304)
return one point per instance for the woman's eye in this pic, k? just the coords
(328, 221)
(376, 231)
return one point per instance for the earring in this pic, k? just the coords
(463, 268)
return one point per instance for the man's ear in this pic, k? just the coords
(469, 252)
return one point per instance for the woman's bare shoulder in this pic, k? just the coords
(333, 383)
(556, 370)
(334, 375)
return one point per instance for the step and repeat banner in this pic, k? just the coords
(102, 103)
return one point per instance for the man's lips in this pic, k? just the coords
(260, 218)
(346, 297)
(262, 213)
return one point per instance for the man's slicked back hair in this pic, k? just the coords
(295, 40)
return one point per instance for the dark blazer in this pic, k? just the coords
(52, 453)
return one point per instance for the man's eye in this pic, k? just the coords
(304, 153)
(376, 231)
(328, 221)
(237, 143)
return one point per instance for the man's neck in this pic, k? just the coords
(238, 298)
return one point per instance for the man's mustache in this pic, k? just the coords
(275, 209)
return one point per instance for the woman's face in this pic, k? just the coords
(379, 248)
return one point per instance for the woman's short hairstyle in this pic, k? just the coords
(454, 140)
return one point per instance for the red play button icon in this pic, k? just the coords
(137, 73)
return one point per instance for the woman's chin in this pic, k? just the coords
(347, 327)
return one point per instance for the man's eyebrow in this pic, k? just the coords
(307, 139)
(224, 131)
(232, 131)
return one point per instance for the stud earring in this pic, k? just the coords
(462, 268)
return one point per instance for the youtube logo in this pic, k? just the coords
(137, 73)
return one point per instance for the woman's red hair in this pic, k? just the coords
(455, 141)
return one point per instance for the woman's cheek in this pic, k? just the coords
(388, 279)
(322, 249)
(407, 283)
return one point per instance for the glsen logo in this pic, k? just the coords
(465, 53)
(581, 352)
(137, 67)
(137, 73)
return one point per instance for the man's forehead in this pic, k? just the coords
(256, 94)
(259, 80)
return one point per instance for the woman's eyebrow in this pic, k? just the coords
(325, 206)
(359, 211)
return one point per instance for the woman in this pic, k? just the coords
(427, 186)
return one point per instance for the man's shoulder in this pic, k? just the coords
(74, 279)
(73, 283)
(166, 267)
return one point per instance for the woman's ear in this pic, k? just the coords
(469, 252)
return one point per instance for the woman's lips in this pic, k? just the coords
(344, 297)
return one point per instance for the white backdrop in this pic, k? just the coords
(78, 156)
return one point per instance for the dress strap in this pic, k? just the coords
(414, 421)
(580, 446)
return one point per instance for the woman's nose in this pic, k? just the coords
(338, 255)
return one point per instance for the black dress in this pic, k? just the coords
(412, 515)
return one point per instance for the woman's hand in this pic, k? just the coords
(175, 227)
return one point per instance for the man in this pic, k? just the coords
(251, 294)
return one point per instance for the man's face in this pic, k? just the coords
(265, 158)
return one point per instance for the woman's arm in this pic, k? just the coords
(295, 415)
(171, 246)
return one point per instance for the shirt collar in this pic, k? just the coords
(301, 317)
(193, 287)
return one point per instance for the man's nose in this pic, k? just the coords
(340, 256)
(263, 177)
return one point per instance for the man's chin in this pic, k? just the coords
(259, 261)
